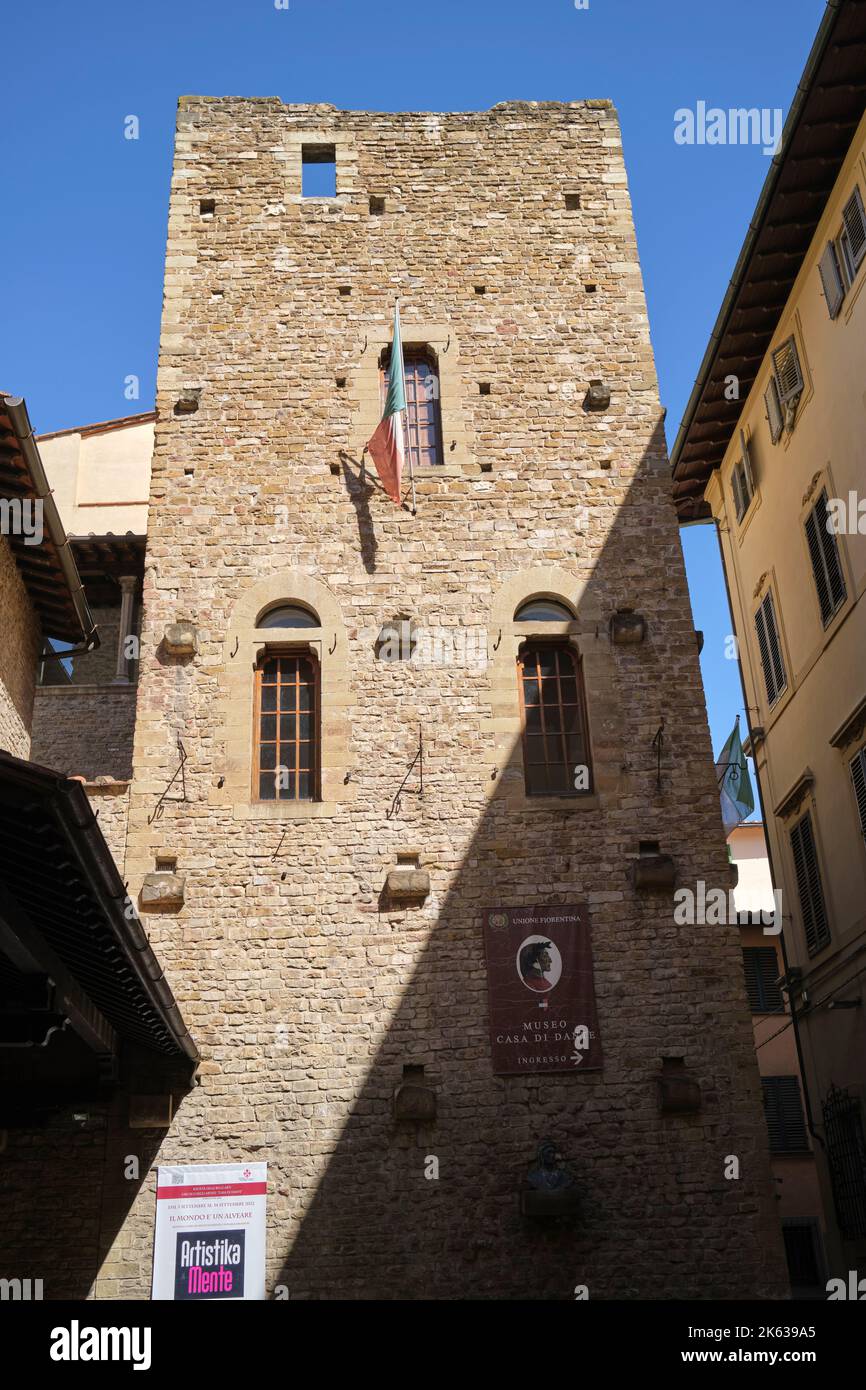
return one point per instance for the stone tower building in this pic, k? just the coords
(324, 937)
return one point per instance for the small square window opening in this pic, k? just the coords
(319, 171)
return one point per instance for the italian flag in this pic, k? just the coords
(386, 446)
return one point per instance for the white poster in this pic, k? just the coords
(210, 1231)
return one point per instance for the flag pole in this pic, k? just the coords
(406, 412)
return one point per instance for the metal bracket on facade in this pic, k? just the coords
(415, 791)
(658, 745)
(160, 805)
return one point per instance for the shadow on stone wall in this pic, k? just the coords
(659, 1218)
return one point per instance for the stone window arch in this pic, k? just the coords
(285, 644)
(288, 615)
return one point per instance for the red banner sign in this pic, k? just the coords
(541, 990)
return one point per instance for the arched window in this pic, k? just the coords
(543, 610)
(286, 743)
(423, 415)
(288, 615)
(555, 737)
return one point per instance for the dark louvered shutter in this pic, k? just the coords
(740, 503)
(773, 409)
(809, 886)
(784, 1110)
(818, 568)
(858, 777)
(766, 663)
(831, 279)
(761, 967)
(747, 466)
(854, 218)
(775, 643)
(826, 565)
(775, 679)
(789, 376)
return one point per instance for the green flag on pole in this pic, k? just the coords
(735, 784)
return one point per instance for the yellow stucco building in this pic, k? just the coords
(772, 448)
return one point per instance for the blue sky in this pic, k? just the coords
(83, 231)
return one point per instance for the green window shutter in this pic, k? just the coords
(783, 1106)
(809, 886)
(831, 279)
(787, 370)
(854, 217)
(774, 410)
(858, 777)
(761, 967)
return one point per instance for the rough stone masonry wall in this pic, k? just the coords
(19, 648)
(305, 992)
(85, 731)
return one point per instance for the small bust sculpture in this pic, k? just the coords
(548, 1176)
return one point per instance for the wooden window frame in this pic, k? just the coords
(273, 653)
(413, 352)
(559, 645)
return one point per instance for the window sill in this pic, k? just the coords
(589, 801)
(748, 514)
(109, 688)
(283, 810)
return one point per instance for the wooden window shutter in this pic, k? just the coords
(810, 888)
(769, 644)
(761, 967)
(826, 565)
(788, 373)
(818, 568)
(831, 279)
(774, 410)
(786, 1122)
(775, 643)
(854, 217)
(747, 465)
(740, 503)
(766, 663)
(858, 777)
